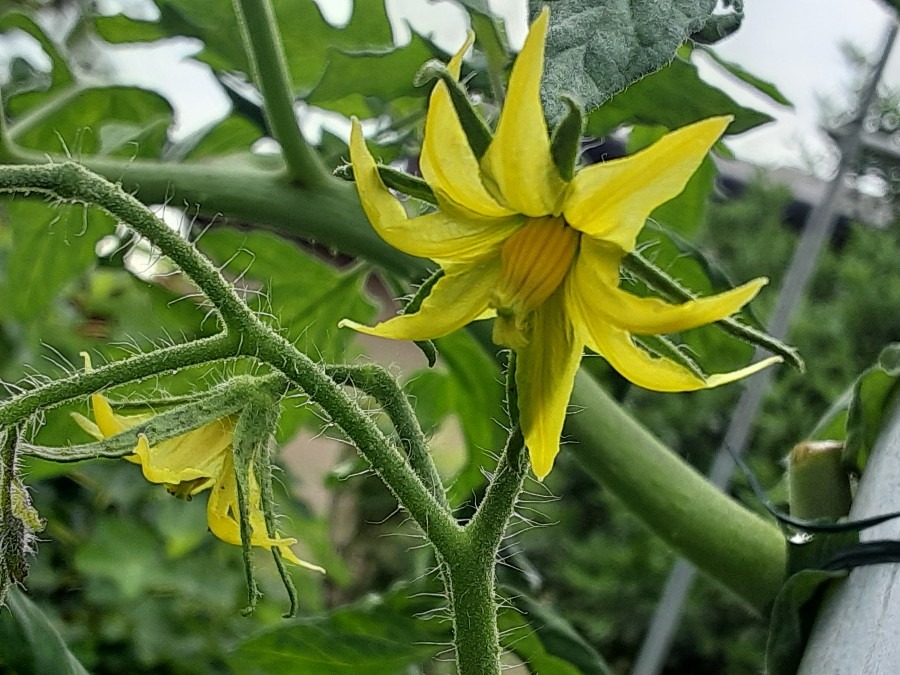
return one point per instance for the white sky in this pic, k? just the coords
(792, 43)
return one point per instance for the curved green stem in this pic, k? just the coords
(373, 380)
(132, 369)
(245, 335)
(263, 46)
(435, 521)
(725, 540)
(471, 579)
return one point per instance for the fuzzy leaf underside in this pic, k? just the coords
(596, 49)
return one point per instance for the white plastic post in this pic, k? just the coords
(857, 631)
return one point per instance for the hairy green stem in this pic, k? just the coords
(472, 568)
(490, 521)
(471, 579)
(263, 46)
(245, 334)
(132, 369)
(470, 582)
(435, 521)
(373, 380)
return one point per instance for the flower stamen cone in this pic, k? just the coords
(534, 261)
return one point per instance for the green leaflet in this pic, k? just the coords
(596, 49)
(52, 246)
(353, 79)
(31, 644)
(308, 39)
(762, 86)
(873, 394)
(857, 415)
(792, 618)
(672, 97)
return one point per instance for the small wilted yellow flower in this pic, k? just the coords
(541, 254)
(188, 464)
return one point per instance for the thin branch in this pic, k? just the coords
(265, 51)
(373, 380)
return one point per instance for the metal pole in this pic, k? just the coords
(816, 233)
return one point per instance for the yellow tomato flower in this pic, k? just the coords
(188, 464)
(542, 255)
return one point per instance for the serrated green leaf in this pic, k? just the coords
(873, 393)
(30, 644)
(306, 296)
(117, 121)
(375, 637)
(762, 86)
(308, 39)
(672, 97)
(60, 75)
(52, 245)
(352, 78)
(595, 50)
(557, 638)
(792, 617)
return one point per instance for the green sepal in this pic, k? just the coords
(663, 346)
(819, 484)
(14, 535)
(427, 346)
(249, 432)
(258, 422)
(565, 142)
(673, 291)
(395, 180)
(152, 405)
(474, 126)
(226, 399)
(218, 403)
